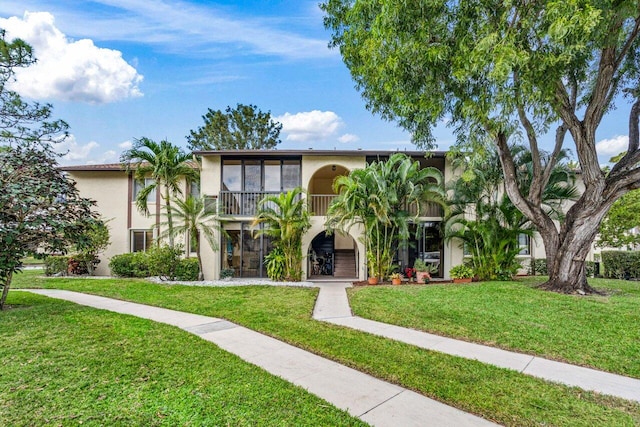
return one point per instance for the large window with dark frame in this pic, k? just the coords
(246, 181)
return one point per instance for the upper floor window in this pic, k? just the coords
(139, 185)
(194, 189)
(260, 175)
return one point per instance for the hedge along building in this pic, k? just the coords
(236, 180)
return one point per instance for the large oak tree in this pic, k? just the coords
(498, 70)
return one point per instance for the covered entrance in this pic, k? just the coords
(243, 250)
(428, 246)
(332, 256)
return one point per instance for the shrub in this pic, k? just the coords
(163, 261)
(621, 264)
(419, 265)
(538, 267)
(461, 272)
(227, 273)
(56, 264)
(188, 269)
(275, 262)
(133, 264)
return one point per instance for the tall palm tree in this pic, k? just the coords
(286, 219)
(381, 198)
(193, 218)
(166, 164)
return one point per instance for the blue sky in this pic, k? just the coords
(116, 70)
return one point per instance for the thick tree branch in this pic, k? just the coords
(631, 158)
(628, 43)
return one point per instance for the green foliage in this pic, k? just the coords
(379, 198)
(167, 164)
(502, 71)
(227, 273)
(617, 228)
(621, 264)
(133, 264)
(276, 264)
(242, 128)
(286, 219)
(420, 265)
(188, 269)
(194, 219)
(461, 272)
(538, 267)
(56, 264)
(40, 209)
(94, 241)
(163, 261)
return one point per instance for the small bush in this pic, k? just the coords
(133, 264)
(227, 273)
(163, 261)
(56, 264)
(621, 264)
(538, 267)
(275, 262)
(188, 269)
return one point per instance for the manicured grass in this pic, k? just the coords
(65, 364)
(32, 261)
(504, 396)
(596, 331)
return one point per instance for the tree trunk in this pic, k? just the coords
(5, 289)
(169, 216)
(200, 272)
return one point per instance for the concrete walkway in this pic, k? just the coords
(374, 401)
(332, 306)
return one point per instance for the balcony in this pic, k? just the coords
(243, 203)
(319, 204)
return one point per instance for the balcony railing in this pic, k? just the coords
(243, 203)
(319, 203)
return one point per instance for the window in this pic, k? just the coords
(524, 243)
(194, 189)
(254, 176)
(141, 240)
(139, 185)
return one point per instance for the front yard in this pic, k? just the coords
(504, 396)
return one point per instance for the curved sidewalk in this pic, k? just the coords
(332, 306)
(376, 402)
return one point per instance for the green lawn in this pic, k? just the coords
(64, 364)
(504, 396)
(595, 331)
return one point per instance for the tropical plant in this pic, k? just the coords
(96, 240)
(194, 218)
(276, 262)
(286, 218)
(166, 165)
(482, 217)
(380, 198)
(461, 271)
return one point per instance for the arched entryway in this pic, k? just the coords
(332, 257)
(320, 188)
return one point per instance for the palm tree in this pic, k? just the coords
(286, 218)
(381, 198)
(483, 217)
(166, 164)
(193, 218)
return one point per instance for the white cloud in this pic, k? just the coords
(126, 145)
(310, 125)
(75, 153)
(348, 138)
(612, 146)
(66, 69)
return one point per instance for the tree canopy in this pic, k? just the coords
(242, 128)
(504, 70)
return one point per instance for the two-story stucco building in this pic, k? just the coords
(237, 180)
